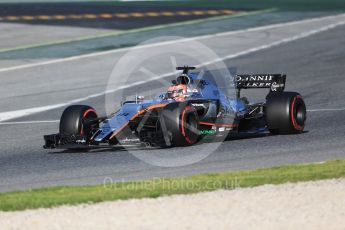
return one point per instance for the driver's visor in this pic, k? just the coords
(175, 93)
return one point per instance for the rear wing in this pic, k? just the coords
(274, 82)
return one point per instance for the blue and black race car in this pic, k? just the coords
(193, 108)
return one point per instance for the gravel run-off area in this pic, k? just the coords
(308, 205)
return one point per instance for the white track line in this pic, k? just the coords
(25, 112)
(323, 110)
(28, 122)
(163, 43)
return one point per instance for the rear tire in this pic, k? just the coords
(182, 124)
(71, 121)
(285, 113)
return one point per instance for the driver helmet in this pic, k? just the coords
(179, 90)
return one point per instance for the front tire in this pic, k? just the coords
(181, 124)
(285, 113)
(71, 121)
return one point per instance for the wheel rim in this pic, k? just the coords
(189, 126)
(298, 113)
(90, 113)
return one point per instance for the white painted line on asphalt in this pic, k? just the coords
(25, 112)
(78, 57)
(4, 116)
(323, 110)
(28, 122)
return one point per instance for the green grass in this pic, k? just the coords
(72, 195)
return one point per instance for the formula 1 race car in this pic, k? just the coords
(190, 110)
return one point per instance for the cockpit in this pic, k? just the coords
(179, 88)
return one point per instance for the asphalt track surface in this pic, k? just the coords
(314, 65)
